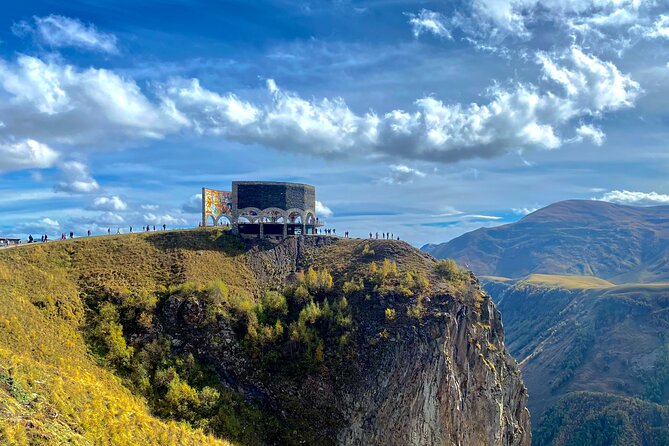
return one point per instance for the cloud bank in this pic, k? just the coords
(635, 198)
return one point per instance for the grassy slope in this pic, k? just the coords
(581, 334)
(51, 390)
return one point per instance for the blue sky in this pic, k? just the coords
(425, 119)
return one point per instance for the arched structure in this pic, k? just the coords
(263, 208)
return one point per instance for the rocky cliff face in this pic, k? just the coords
(448, 382)
(444, 380)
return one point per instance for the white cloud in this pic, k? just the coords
(427, 21)
(110, 218)
(480, 217)
(521, 118)
(523, 211)
(166, 219)
(513, 16)
(76, 179)
(43, 225)
(58, 103)
(150, 207)
(635, 198)
(26, 154)
(401, 174)
(111, 203)
(323, 211)
(193, 205)
(58, 31)
(660, 28)
(590, 132)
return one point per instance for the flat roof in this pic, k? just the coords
(277, 183)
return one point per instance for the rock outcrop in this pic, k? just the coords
(444, 380)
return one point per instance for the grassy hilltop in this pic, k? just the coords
(196, 337)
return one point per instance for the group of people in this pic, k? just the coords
(63, 236)
(385, 236)
(44, 238)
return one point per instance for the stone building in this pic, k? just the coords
(262, 208)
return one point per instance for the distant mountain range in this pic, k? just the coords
(583, 289)
(580, 237)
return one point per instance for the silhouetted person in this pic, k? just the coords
(71, 234)
(131, 229)
(164, 227)
(89, 232)
(30, 238)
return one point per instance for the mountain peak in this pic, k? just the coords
(585, 237)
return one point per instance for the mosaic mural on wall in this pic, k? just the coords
(216, 203)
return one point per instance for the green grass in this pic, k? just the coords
(567, 281)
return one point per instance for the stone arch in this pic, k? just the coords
(250, 215)
(310, 218)
(273, 215)
(295, 216)
(224, 219)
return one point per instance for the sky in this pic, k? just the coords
(426, 119)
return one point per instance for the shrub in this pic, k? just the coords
(352, 287)
(367, 252)
(391, 314)
(449, 270)
(417, 310)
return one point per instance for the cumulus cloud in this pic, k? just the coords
(167, 219)
(635, 198)
(519, 118)
(401, 174)
(193, 205)
(427, 21)
(590, 132)
(58, 31)
(111, 203)
(110, 218)
(76, 179)
(323, 211)
(523, 211)
(660, 29)
(42, 225)
(26, 154)
(59, 103)
(514, 16)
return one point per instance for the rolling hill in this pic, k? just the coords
(577, 237)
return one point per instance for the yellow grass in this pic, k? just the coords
(566, 281)
(51, 390)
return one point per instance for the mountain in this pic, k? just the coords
(590, 351)
(576, 237)
(197, 337)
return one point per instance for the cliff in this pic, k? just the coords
(310, 340)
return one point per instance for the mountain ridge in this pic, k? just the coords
(615, 242)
